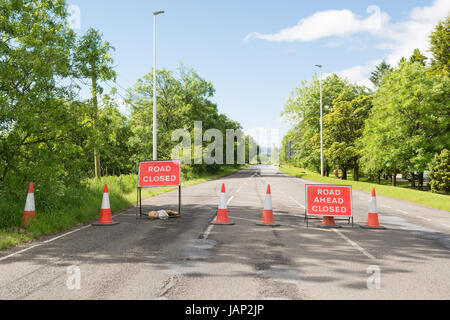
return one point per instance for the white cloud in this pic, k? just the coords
(359, 74)
(400, 39)
(396, 39)
(326, 24)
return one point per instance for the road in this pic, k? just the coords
(188, 258)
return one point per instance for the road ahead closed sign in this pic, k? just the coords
(328, 200)
(159, 174)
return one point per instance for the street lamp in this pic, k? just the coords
(155, 131)
(321, 121)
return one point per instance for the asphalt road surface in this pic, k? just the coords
(188, 258)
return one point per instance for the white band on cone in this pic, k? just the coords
(223, 201)
(373, 205)
(105, 201)
(268, 202)
(29, 205)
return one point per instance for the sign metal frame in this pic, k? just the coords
(337, 217)
(139, 188)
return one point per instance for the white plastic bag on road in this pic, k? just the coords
(162, 214)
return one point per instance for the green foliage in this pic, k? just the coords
(440, 47)
(440, 172)
(50, 136)
(342, 128)
(409, 122)
(418, 57)
(378, 74)
(183, 98)
(397, 129)
(303, 108)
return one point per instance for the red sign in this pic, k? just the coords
(159, 174)
(327, 200)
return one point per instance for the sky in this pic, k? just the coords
(257, 52)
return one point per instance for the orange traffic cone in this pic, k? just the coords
(222, 212)
(267, 218)
(328, 222)
(105, 212)
(372, 219)
(29, 212)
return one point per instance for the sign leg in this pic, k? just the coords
(179, 200)
(140, 203)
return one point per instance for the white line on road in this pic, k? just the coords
(208, 231)
(298, 203)
(401, 211)
(210, 227)
(424, 218)
(355, 245)
(42, 243)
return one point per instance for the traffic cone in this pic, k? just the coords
(222, 212)
(328, 222)
(105, 212)
(372, 219)
(29, 212)
(267, 218)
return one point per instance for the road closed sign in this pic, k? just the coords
(159, 174)
(328, 200)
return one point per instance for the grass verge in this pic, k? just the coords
(82, 205)
(428, 199)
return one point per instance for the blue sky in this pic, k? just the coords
(257, 52)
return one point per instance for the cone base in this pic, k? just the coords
(223, 223)
(99, 224)
(375, 228)
(267, 224)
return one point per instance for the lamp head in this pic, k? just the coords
(157, 12)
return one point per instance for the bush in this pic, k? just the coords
(440, 173)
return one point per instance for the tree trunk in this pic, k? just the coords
(379, 177)
(356, 173)
(327, 170)
(394, 179)
(344, 173)
(421, 181)
(413, 180)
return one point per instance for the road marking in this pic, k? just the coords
(42, 243)
(424, 218)
(385, 206)
(355, 245)
(401, 211)
(208, 231)
(243, 219)
(210, 227)
(298, 203)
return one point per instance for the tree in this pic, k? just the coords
(440, 47)
(440, 172)
(409, 122)
(378, 74)
(303, 109)
(183, 98)
(93, 60)
(418, 57)
(342, 128)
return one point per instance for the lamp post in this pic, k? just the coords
(155, 131)
(321, 122)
